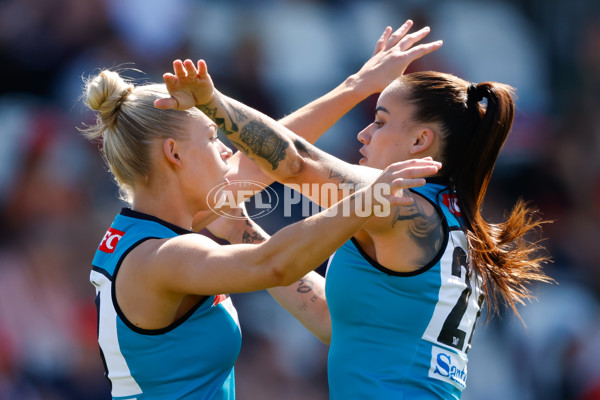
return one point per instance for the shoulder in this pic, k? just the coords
(156, 259)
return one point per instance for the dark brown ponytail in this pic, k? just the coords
(472, 135)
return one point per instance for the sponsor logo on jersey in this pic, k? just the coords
(110, 240)
(451, 201)
(448, 367)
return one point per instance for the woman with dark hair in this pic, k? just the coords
(404, 294)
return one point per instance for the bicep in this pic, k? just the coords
(194, 264)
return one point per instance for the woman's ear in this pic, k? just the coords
(171, 154)
(423, 142)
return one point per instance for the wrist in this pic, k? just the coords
(358, 87)
(207, 102)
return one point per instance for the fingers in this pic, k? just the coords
(422, 49)
(178, 69)
(416, 162)
(202, 69)
(190, 68)
(186, 69)
(408, 40)
(382, 40)
(399, 34)
(166, 103)
(406, 174)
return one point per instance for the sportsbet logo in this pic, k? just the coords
(222, 198)
(110, 240)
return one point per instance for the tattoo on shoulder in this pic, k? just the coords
(425, 230)
(264, 142)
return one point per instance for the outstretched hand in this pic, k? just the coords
(392, 55)
(188, 87)
(404, 175)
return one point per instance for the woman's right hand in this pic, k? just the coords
(388, 190)
(392, 55)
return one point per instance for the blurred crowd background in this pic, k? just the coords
(56, 197)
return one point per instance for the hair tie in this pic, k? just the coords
(474, 94)
(124, 94)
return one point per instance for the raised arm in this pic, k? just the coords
(280, 153)
(393, 52)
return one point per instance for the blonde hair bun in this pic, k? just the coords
(105, 93)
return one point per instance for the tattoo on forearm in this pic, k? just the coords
(264, 142)
(255, 137)
(252, 237)
(240, 146)
(210, 112)
(306, 286)
(303, 149)
(221, 122)
(240, 115)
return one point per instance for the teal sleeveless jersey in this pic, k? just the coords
(403, 335)
(192, 358)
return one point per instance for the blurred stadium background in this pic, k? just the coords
(56, 196)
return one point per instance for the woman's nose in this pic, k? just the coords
(363, 136)
(226, 153)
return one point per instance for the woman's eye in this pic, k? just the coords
(379, 124)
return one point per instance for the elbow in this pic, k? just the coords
(278, 272)
(293, 166)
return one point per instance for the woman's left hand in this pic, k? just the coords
(392, 55)
(189, 86)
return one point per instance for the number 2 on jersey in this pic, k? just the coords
(450, 334)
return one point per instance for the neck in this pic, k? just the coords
(167, 203)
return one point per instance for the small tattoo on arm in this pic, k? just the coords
(302, 148)
(252, 237)
(304, 285)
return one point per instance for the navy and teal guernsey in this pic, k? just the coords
(192, 358)
(403, 335)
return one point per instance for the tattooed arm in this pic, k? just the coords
(280, 153)
(304, 299)
(392, 54)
